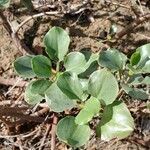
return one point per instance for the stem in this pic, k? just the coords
(57, 66)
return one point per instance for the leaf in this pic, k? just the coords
(28, 4)
(70, 85)
(57, 100)
(137, 79)
(56, 42)
(76, 62)
(135, 93)
(116, 122)
(91, 108)
(71, 133)
(30, 97)
(112, 59)
(141, 59)
(23, 67)
(40, 86)
(103, 85)
(4, 3)
(135, 58)
(41, 66)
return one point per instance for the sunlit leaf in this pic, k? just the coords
(57, 42)
(90, 109)
(30, 97)
(135, 93)
(116, 122)
(4, 3)
(23, 67)
(112, 59)
(103, 85)
(71, 133)
(70, 85)
(57, 100)
(41, 66)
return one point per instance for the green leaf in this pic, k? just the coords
(141, 59)
(28, 4)
(76, 62)
(4, 3)
(91, 108)
(57, 100)
(70, 85)
(71, 133)
(41, 66)
(135, 93)
(103, 85)
(56, 42)
(40, 86)
(116, 122)
(30, 97)
(135, 58)
(23, 67)
(112, 59)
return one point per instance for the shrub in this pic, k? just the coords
(90, 82)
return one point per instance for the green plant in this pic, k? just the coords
(92, 83)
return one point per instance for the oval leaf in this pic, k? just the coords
(41, 66)
(116, 122)
(91, 108)
(135, 93)
(57, 42)
(71, 133)
(40, 86)
(75, 62)
(78, 63)
(100, 82)
(57, 100)
(4, 3)
(70, 85)
(30, 97)
(23, 67)
(112, 59)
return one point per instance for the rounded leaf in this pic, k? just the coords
(103, 85)
(112, 59)
(57, 100)
(41, 66)
(91, 108)
(4, 3)
(30, 97)
(70, 84)
(71, 133)
(57, 42)
(75, 62)
(116, 122)
(135, 92)
(23, 67)
(40, 86)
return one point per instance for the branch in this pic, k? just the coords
(130, 28)
(12, 82)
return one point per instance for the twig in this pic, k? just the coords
(33, 17)
(53, 133)
(132, 26)
(45, 136)
(41, 112)
(12, 82)
(9, 111)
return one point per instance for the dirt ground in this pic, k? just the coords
(88, 29)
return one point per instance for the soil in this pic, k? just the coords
(88, 30)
